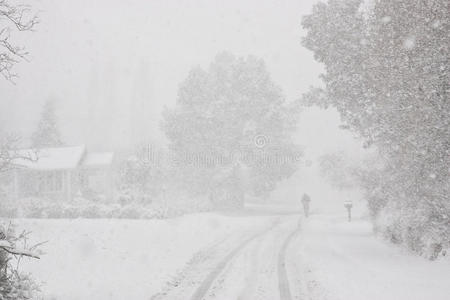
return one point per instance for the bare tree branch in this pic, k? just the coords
(10, 153)
(20, 252)
(20, 18)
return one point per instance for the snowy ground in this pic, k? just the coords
(122, 259)
(340, 260)
(258, 254)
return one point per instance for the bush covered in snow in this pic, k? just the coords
(415, 228)
(13, 284)
(82, 208)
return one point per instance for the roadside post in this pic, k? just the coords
(164, 200)
(348, 205)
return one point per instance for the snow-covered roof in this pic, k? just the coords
(60, 158)
(98, 159)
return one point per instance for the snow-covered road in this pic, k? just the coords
(93, 259)
(258, 254)
(248, 266)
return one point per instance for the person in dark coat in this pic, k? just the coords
(305, 201)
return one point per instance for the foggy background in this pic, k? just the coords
(112, 66)
(146, 152)
(107, 60)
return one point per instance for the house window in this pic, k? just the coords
(52, 182)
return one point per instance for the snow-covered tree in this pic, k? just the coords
(47, 133)
(230, 131)
(13, 284)
(338, 168)
(144, 173)
(387, 73)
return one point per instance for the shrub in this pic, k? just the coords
(13, 284)
(131, 212)
(416, 228)
(91, 212)
(82, 208)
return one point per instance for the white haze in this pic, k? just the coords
(96, 58)
(221, 215)
(115, 51)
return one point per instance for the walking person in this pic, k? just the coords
(305, 201)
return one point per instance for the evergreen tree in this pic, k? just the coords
(47, 133)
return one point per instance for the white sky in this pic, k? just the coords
(76, 38)
(111, 38)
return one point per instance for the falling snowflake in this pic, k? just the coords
(409, 43)
(386, 19)
(436, 24)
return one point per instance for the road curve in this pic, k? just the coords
(250, 267)
(201, 291)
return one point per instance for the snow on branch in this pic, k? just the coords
(20, 252)
(22, 19)
(9, 153)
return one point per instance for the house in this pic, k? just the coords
(61, 173)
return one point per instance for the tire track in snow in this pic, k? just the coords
(206, 285)
(283, 280)
(251, 278)
(263, 282)
(191, 274)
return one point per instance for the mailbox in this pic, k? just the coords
(348, 205)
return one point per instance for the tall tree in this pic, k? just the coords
(47, 133)
(387, 73)
(230, 131)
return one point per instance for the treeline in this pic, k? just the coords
(387, 73)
